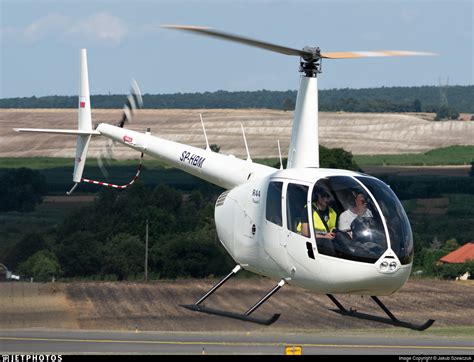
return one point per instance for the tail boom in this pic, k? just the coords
(222, 170)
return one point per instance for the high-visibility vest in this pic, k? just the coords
(318, 223)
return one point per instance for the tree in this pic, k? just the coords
(21, 189)
(42, 266)
(166, 197)
(337, 158)
(124, 256)
(444, 112)
(288, 104)
(190, 254)
(215, 148)
(80, 253)
(30, 244)
(450, 245)
(417, 105)
(331, 158)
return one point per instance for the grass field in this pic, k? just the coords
(453, 155)
(43, 163)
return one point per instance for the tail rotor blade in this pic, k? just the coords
(101, 165)
(134, 101)
(105, 156)
(137, 95)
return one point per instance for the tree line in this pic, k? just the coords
(105, 240)
(384, 99)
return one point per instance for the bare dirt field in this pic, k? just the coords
(155, 305)
(360, 133)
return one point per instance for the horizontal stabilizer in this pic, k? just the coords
(58, 131)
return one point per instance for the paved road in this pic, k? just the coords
(108, 342)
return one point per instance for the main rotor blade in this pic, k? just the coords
(240, 39)
(379, 53)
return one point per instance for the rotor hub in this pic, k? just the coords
(310, 64)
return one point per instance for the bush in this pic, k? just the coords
(331, 158)
(124, 256)
(42, 266)
(30, 244)
(21, 189)
(452, 271)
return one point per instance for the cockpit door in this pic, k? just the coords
(273, 238)
(299, 242)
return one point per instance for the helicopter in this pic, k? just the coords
(270, 220)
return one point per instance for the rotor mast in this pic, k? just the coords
(304, 145)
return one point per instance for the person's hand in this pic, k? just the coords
(330, 235)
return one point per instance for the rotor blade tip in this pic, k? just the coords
(184, 27)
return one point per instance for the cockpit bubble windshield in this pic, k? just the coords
(401, 237)
(345, 220)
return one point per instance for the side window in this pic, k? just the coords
(273, 208)
(296, 196)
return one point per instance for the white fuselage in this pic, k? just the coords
(277, 252)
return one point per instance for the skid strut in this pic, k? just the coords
(392, 320)
(244, 317)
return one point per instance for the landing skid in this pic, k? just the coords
(394, 321)
(223, 313)
(197, 307)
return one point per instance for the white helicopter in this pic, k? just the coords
(271, 220)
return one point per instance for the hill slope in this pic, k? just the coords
(155, 305)
(360, 133)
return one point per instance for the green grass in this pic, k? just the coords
(453, 155)
(14, 224)
(44, 163)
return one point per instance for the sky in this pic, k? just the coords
(40, 42)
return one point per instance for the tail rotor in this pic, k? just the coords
(133, 103)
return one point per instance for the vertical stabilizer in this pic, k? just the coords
(304, 145)
(84, 120)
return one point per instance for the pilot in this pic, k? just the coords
(358, 209)
(324, 216)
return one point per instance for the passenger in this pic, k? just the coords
(324, 216)
(358, 209)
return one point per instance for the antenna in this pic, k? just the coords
(279, 153)
(245, 141)
(204, 129)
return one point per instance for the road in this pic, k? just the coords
(107, 342)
